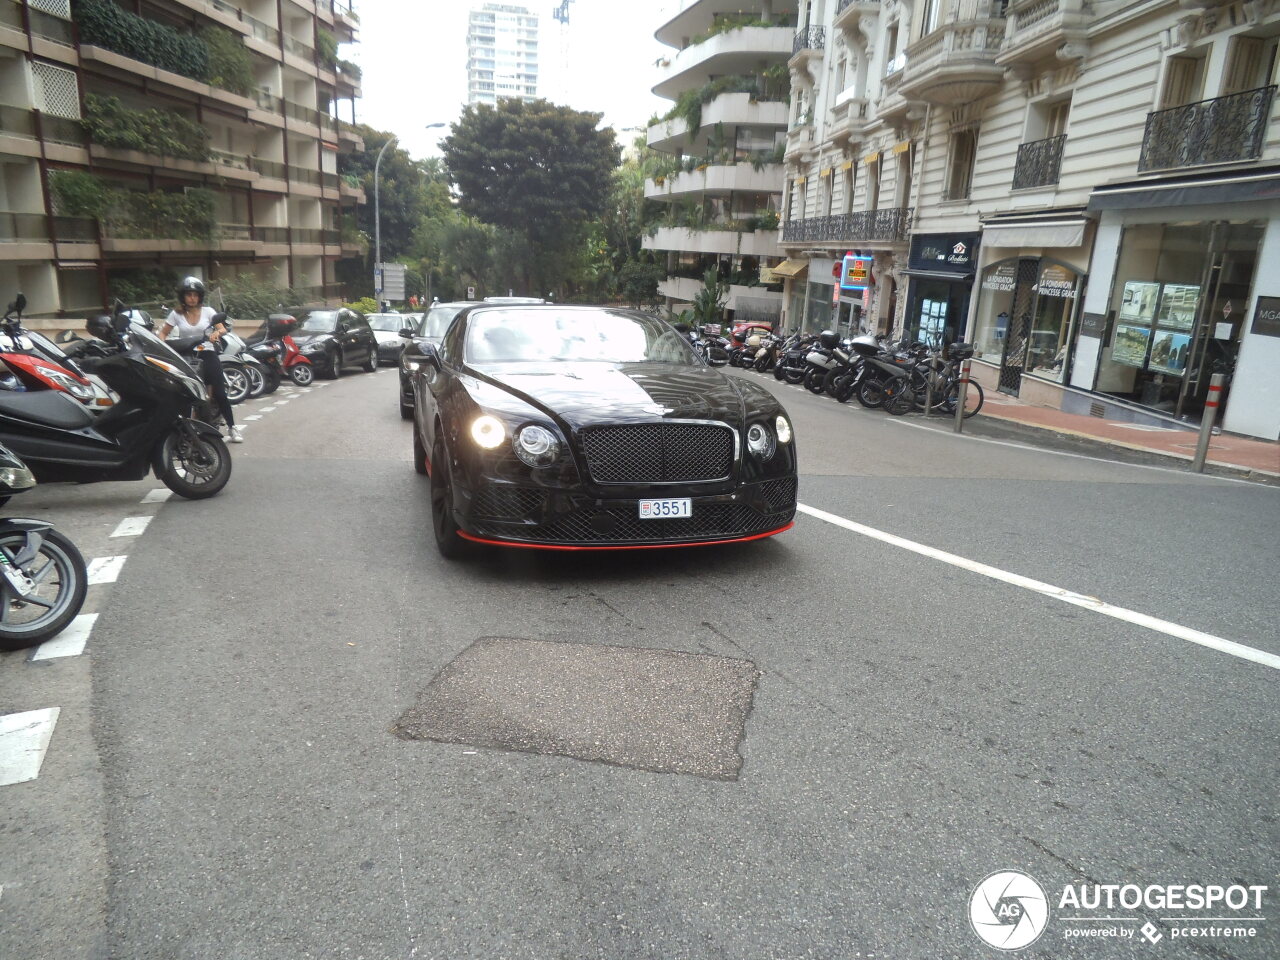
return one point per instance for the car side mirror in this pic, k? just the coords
(429, 354)
(406, 332)
(21, 303)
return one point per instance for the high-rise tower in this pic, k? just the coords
(502, 53)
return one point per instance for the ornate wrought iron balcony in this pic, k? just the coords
(813, 38)
(1038, 163)
(1224, 130)
(888, 224)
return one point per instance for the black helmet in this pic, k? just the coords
(100, 327)
(190, 285)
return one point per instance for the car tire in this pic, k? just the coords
(371, 364)
(448, 542)
(406, 410)
(302, 374)
(333, 359)
(419, 450)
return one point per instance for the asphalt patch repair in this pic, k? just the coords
(657, 710)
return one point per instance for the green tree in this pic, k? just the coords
(638, 283)
(708, 303)
(540, 173)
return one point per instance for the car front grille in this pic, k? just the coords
(506, 503)
(780, 494)
(668, 452)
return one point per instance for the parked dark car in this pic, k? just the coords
(335, 338)
(569, 427)
(429, 329)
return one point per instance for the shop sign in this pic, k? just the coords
(1057, 281)
(855, 273)
(1001, 279)
(1093, 325)
(949, 252)
(1266, 317)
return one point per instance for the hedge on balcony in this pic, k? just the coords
(133, 213)
(216, 56)
(112, 124)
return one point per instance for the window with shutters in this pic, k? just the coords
(1251, 63)
(1183, 81)
(960, 164)
(57, 92)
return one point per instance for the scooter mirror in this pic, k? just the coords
(222, 318)
(120, 322)
(20, 304)
(67, 336)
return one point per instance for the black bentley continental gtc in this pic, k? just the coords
(572, 428)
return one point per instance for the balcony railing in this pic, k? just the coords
(1224, 130)
(845, 3)
(263, 31)
(304, 113)
(17, 122)
(270, 168)
(52, 28)
(890, 223)
(62, 130)
(269, 101)
(235, 231)
(299, 48)
(238, 160)
(271, 234)
(305, 235)
(1038, 163)
(811, 38)
(23, 227)
(304, 175)
(331, 237)
(75, 229)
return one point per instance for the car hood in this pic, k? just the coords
(302, 339)
(585, 394)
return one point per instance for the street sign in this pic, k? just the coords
(388, 281)
(471, 293)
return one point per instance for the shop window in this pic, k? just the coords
(1025, 310)
(960, 163)
(1183, 81)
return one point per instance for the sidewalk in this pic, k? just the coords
(1239, 453)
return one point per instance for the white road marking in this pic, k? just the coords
(131, 527)
(256, 416)
(158, 495)
(325, 384)
(281, 403)
(70, 642)
(268, 409)
(1056, 593)
(105, 569)
(24, 738)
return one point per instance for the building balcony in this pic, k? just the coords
(1230, 129)
(849, 119)
(25, 236)
(849, 12)
(955, 64)
(740, 296)
(721, 179)
(802, 142)
(99, 57)
(1037, 30)
(352, 191)
(729, 109)
(759, 243)
(887, 225)
(808, 43)
(1038, 163)
(736, 52)
(221, 163)
(348, 139)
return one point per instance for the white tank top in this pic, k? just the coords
(182, 328)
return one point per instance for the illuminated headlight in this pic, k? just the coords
(412, 366)
(488, 432)
(760, 441)
(537, 446)
(784, 430)
(16, 478)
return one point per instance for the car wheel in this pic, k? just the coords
(333, 358)
(448, 542)
(406, 410)
(419, 451)
(371, 364)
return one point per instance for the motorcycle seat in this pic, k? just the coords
(51, 407)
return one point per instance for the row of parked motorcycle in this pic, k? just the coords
(116, 405)
(898, 376)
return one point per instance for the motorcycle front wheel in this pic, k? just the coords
(193, 467)
(870, 394)
(60, 584)
(793, 374)
(237, 381)
(814, 379)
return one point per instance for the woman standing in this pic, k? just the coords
(192, 317)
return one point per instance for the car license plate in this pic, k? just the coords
(661, 509)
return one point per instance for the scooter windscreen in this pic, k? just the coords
(153, 346)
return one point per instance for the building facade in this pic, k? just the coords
(502, 54)
(185, 138)
(1090, 192)
(724, 140)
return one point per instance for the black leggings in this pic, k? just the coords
(211, 373)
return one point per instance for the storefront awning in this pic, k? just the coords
(790, 268)
(1052, 233)
(1238, 187)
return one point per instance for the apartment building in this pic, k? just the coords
(171, 138)
(1089, 192)
(502, 54)
(724, 138)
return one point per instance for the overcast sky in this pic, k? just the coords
(414, 58)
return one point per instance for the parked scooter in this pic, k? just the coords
(245, 374)
(31, 361)
(162, 421)
(292, 362)
(42, 575)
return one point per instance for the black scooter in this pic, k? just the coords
(42, 575)
(159, 423)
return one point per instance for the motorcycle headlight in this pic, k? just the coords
(760, 441)
(488, 432)
(784, 429)
(17, 478)
(536, 446)
(70, 384)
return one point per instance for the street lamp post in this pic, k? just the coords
(377, 223)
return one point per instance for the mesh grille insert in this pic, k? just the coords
(666, 452)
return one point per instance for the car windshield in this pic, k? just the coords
(320, 321)
(556, 335)
(392, 322)
(437, 321)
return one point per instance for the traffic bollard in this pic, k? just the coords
(1207, 420)
(928, 389)
(964, 394)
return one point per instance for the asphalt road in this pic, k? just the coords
(812, 746)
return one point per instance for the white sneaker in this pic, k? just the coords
(235, 436)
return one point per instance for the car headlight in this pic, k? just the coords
(17, 478)
(488, 431)
(536, 446)
(312, 347)
(412, 366)
(784, 429)
(760, 441)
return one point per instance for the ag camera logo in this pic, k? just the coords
(1009, 910)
